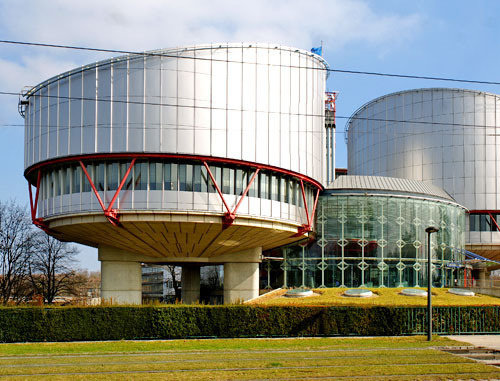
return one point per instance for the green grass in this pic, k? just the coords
(403, 357)
(214, 345)
(389, 297)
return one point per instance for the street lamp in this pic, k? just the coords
(429, 231)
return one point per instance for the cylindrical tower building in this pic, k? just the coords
(447, 137)
(195, 155)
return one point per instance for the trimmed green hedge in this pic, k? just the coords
(173, 322)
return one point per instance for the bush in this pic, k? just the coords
(23, 324)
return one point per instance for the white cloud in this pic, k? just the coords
(158, 23)
(144, 25)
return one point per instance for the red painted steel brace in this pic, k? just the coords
(38, 222)
(494, 221)
(306, 228)
(229, 216)
(110, 213)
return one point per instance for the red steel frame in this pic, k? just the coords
(110, 213)
(489, 212)
(113, 214)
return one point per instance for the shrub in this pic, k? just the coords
(173, 322)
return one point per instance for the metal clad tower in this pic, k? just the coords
(196, 155)
(447, 137)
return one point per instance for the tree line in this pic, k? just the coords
(32, 263)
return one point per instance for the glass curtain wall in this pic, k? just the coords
(174, 176)
(377, 241)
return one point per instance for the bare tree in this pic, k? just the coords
(175, 274)
(51, 269)
(17, 238)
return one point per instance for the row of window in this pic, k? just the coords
(172, 176)
(484, 222)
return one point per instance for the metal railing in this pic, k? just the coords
(454, 320)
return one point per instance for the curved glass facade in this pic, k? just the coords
(374, 240)
(150, 180)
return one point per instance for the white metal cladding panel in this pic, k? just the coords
(451, 141)
(259, 103)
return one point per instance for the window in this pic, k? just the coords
(275, 190)
(483, 222)
(217, 173)
(205, 180)
(112, 177)
(241, 182)
(128, 182)
(86, 183)
(66, 180)
(170, 176)
(182, 177)
(300, 198)
(99, 177)
(189, 178)
(57, 183)
(254, 188)
(76, 180)
(285, 194)
(227, 180)
(292, 192)
(141, 176)
(197, 178)
(46, 183)
(264, 185)
(155, 176)
(186, 177)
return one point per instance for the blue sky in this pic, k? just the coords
(445, 38)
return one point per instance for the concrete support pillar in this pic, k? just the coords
(121, 282)
(121, 277)
(190, 281)
(484, 277)
(241, 277)
(241, 282)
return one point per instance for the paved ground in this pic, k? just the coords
(488, 341)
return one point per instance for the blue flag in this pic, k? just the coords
(318, 50)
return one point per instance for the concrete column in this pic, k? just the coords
(190, 281)
(121, 282)
(241, 282)
(241, 275)
(484, 277)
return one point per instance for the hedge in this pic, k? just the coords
(35, 324)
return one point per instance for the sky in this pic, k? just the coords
(445, 38)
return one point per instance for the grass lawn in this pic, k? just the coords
(339, 358)
(382, 297)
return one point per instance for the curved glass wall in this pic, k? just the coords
(156, 177)
(377, 241)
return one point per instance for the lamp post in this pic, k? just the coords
(429, 231)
